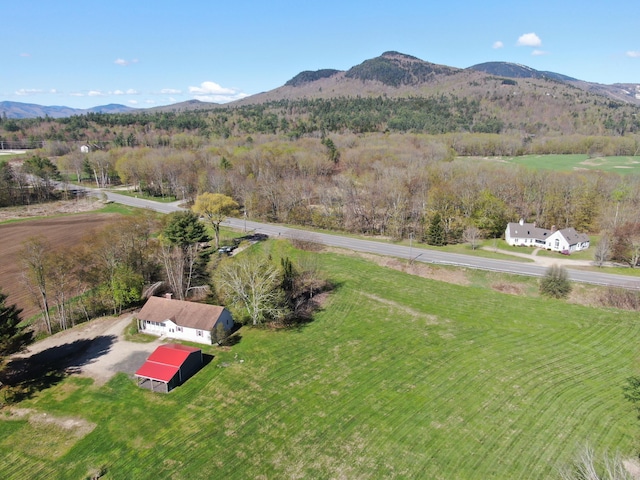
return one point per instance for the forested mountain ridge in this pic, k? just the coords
(515, 70)
(32, 110)
(396, 74)
(624, 92)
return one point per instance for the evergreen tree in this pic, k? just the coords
(13, 336)
(435, 234)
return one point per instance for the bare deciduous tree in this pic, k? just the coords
(36, 261)
(252, 285)
(472, 235)
(602, 252)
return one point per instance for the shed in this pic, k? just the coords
(168, 366)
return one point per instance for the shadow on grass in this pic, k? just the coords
(308, 303)
(25, 376)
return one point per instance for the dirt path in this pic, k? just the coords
(95, 349)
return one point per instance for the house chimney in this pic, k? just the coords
(521, 222)
(168, 296)
(553, 228)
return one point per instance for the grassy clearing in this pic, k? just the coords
(398, 377)
(622, 165)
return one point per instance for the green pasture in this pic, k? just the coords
(622, 165)
(397, 377)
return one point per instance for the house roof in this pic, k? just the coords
(574, 237)
(165, 362)
(185, 314)
(527, 230)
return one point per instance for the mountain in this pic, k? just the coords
(515, 70)
(621, 92)
(392, 74)
(31, 110)
(395, 74)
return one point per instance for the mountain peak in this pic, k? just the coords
(396, 69)
(515, 70)
(309, 76)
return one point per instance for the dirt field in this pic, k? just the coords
(66, 230)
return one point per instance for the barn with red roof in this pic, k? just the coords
(168, 366)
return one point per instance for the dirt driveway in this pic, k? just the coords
(96, 349)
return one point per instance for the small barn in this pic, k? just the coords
(164, 316)
(168, 366)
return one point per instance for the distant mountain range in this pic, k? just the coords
(31, 110)
(395, 74)
(392, 74)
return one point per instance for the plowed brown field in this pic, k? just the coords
(66, 230)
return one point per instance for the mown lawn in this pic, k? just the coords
(398, 377)
(621, 164)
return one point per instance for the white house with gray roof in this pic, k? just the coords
(182, 320)
(566, 240)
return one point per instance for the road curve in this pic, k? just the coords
(401, 251)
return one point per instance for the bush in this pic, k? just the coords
(555, 283)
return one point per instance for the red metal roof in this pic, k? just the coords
(165, 361)
(157, 371)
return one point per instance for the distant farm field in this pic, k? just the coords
(65, 230)
(622, 165)
(397, 377)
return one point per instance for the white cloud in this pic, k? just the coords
(95, 93)
(23, 92)
(25, 54)
(498, 44)
(170, 91)
(633, 54)
(125, 63)
(537, 53)
(133, 102)
(212, 92)
(529, 40)
(211, 88)
(130, 91)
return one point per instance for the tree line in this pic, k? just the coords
(548, 112)
(394, 185)
(115, 265)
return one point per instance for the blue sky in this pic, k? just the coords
(144, 53)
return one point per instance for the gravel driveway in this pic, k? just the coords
(95, 349)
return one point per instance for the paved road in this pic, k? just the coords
(400, 251)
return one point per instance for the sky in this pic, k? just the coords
(143, 53)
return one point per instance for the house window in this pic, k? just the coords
(179, 329)
(557, 243)
(199, 333)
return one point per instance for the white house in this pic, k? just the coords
(182, 320)
(566, 240)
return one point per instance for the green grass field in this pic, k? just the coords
(622, 165)
(397, 377)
